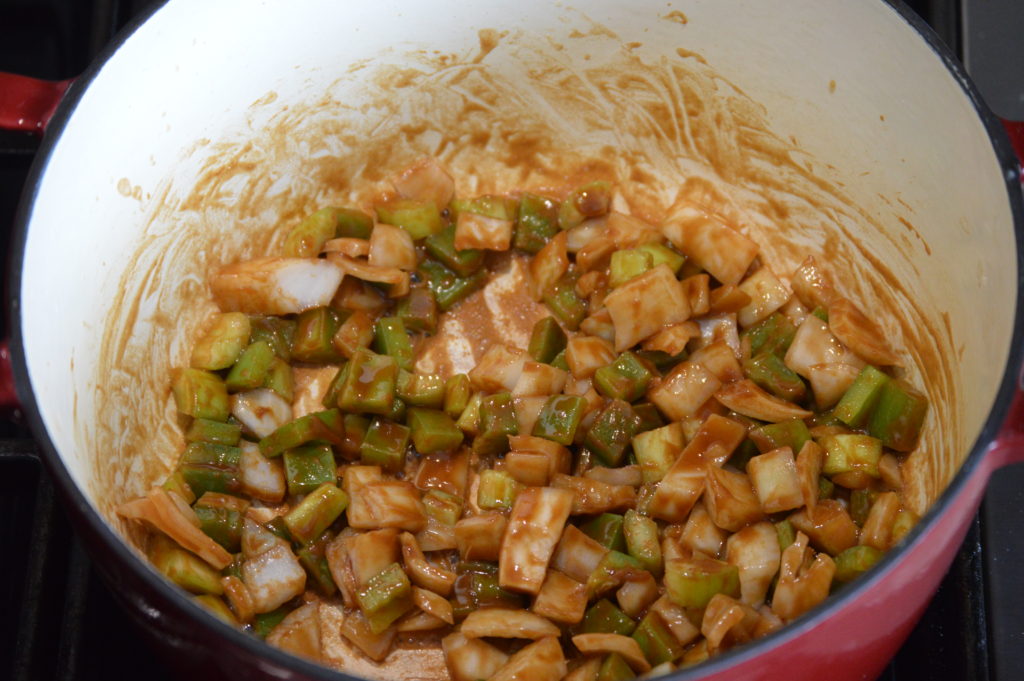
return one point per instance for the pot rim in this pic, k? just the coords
(211, 625)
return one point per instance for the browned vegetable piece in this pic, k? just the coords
(534, 528)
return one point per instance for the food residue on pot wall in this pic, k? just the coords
(516, 113)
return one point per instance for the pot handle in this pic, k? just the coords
(27, 104)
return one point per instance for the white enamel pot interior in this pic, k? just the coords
(832, 128)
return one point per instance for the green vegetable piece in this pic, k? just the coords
(564, 303)
(316, 512)
(216, 607)
(855, 561)
(306, 468)
(904, 523)
(559, 362)
(314, 336)
(333, 391)
(205, 430)
(433, 431)
(263, 623)
(628, 263)
(793, 434)
(546, 340)
(390, 338)
(469, 419)
(612, 430)
(441, 506)
(898, 416)
(787, 535)
(851, 452)
(356, 427)
(615, 668)
(690, 583)
(234, 569)
(663, 255)
(656, 641)
(821, 313)
(537, 223)
(320, 427)
(223, 525)
(307, 238)
(859, 400)
(441, 247)
(182, 567)
(419, 218)
(252, 368)
(771, 373)
(457, 391)
(370, 384)
(175, 482)
(604, 618)
(387, 596)
(384, 445)
(860, 505)
(626, 378)
(826, 488)
(606, 529)
(488, 205)
(497, 490)
(200, 394)
(279, 379)
(656, 450)
(314, 560)
(222, 343)
(611, 572)
(559, 418)
(421, 390)
(448, 287)
(641, 535)
(743, 454)
(774, 335)
(418, 310)
(276, 331)
(277, 527)
(352, 224)
(208, 467)
(590, 200)
(485, 591)
(650, 417)
(497, 421)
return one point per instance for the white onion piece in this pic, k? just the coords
(275, 285)
(261, 411)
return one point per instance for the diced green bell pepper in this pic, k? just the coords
(276, 331)
(855, 561)
(279, 379)
(546, 340)
(457, 391)
(559, 418)
(386, 597)
(433, 431)
(176, 483)
(564, 303)
(774, 335)
(316, 512)
(606, 530)
(604, 618)
(352, 224)
(847, 452)
(787, 534)
(182, 567)
(656, 450)
(419, 218)
(370, 384)
(223, 525)
(793, 434)
(826, 488)
(326, 426)
(497, 422)
(263, 623)
(860, 505)
(209, 467)
(690, 583)
(333, 391)
(626, 378)
(307, 238)
(497, 490)
(537, 223)
(641, 535)
(222, 343)
(610, 573)
(897, 418)
(384, 445)
(656, 641)
(421, 390)
(314, 336)
(252, 368)
(418, 310)
(590, 200)
(650, 417)
(314, 560)
(771, 373)
(469, 420)
(200, 394)
(390, 338)
(441, 506)
(615, 668)
(447, 286)
(860, 398)
(306, 468)
(205, 430)
(441, 247)
(612, 431)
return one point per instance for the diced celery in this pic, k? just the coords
(306, 468)
(848, 452)
(352, 224)
(826, 488)
(606, 529)
(390, 338)
(433, 431)
(771, 373)
(626, 378)
(656, 450)
(441, 247)
(252, 368)
(205, 430)
(628, 263)
(182, 567)
(855, 561)
(860, 505)
(200, 394)
(656, 641)
(609, 436)
(610, 573)
(860, 398)
(787, 535)
(419, 218)
(641, 535)
(690, 583)
(387, 596)
(898, 415)
(315, 563)
(546, 340)
(615, 668)
(774, 335)
(175, 482)
(316, 512)
(604, 618)
(497, 490)
(307, 238)
(222, 343)
(384, 445)
(469, 419)
(792, 434)
(559, 418)
(662, 254)
(441, 506)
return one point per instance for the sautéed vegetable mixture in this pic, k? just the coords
(691, 452)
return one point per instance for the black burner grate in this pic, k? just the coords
(59, 622)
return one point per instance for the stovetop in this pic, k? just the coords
(58, 621)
